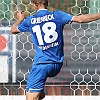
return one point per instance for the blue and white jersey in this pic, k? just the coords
(46, 29)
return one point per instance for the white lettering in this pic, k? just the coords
(48, 46)
(33, 20)
(42, 19)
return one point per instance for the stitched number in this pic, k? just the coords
(37, 30)
(50, 33)
(49, 29)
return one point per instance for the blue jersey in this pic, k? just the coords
(46, 29)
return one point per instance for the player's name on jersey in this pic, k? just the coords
(49, 46)
(42, 19)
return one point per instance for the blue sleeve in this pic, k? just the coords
(65, 17)
(24, 26)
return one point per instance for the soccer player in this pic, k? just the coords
(46, 29)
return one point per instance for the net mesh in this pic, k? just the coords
(80, 74)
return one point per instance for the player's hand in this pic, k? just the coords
(20, 16)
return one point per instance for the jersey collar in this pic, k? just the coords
(41, 9)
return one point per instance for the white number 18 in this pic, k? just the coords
(49, 29)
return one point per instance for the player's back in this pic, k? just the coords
(47, 34)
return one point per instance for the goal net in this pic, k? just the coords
(80, 74)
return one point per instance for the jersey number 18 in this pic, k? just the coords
(49, 29)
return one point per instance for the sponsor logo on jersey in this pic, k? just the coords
(49, 46)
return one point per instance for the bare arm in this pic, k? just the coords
(20, 17)
(86, 18)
